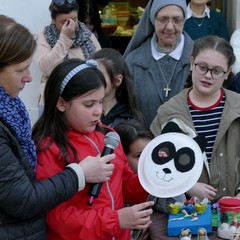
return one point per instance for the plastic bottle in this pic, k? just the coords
(107, 15)
(113, 14)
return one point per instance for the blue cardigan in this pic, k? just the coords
(216, 25)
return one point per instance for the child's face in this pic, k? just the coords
(83, 113)
(206, 84)
(135, 150)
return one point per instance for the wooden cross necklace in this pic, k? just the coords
(167, 89)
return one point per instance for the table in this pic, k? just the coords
(158, 228)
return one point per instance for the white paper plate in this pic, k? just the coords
(173, 183)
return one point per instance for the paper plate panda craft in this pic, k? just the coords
(171, 163)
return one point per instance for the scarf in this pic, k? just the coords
(82, 40)
(14, 114)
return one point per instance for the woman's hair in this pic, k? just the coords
(89, 9)
(6, 19)
(56, 9)
(215, 43)
(132, 130)
(52, 122)
(17, 44)
(116, 65)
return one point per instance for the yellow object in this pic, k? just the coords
(173, 209)
(200, 208)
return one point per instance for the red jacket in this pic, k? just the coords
(74, 219)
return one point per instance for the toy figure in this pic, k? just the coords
(185, 234)
(236, 236)
(202, 234)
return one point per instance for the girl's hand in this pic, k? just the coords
(136, 217)
(202, 190)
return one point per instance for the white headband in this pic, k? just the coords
(89, 63)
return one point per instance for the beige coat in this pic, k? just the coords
(223, 171)
(47, 58)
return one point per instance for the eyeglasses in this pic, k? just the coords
(61, 2)
(165, 20)
(216, 73)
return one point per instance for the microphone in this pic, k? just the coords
(111, 141)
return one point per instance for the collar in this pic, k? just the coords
(190, 13)
(176, 53)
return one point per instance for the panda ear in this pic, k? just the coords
(171, 127)
(201, 141)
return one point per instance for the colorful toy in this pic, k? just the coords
(188, 217)
(202, 234)
(185, 234)
(229, 218)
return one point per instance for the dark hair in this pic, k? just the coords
(116, 65)
(215, 43)
(6, 19)
(17, 44)
(62, 9)
(132, 130)
(52, 123)
(88, 9)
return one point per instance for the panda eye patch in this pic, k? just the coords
(184, 159)
(163, 153)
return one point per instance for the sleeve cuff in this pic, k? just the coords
(80, 174)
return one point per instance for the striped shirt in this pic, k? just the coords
(206, 121)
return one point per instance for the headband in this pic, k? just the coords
(87, 64)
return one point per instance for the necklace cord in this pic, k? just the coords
(167, 89)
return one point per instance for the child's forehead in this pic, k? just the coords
(212, 57)
(140, 143)
(92, 94)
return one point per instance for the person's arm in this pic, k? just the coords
(21, 196)
(46, 57)
(235, 43)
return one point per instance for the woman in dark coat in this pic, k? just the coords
(24, 200)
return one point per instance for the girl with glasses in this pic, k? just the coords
(209, 109)
(64, 38)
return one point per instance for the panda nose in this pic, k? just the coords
(167, 170)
